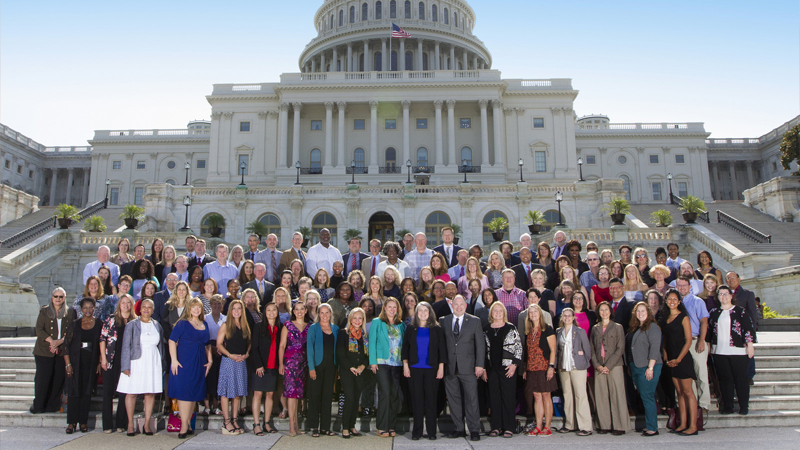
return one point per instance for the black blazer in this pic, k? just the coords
(437, 348)
(127, 268)
(360, 257)
(441, 309)
(259, 350)
(269, 289)
(521, 279)
(623, 313)
(453, 260)
(345, 357)
(206, 259)
(512, 261)
(159, 300)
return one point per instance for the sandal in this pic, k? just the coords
(327, 433)
(227, 431)
(260, 433)
(494, 433)
(315, 433)
(354, 432)
(235, 423)
(346, 436)
(268, 428)
(584, 433)
(392, 433)
(508, 434)
(84, 428)
(70, 428)
(384, 434)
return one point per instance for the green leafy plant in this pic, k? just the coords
(618, 205)
(215, 221)
(65, 211)
(132, 212)
(790, 148)
(497, 224)
(770, 313)
(534, 218)
(401, 233)
(351, 233)
(661, 218)
(95, 223)
(456, 230)
(257, 227)
(692, 204)
(305, 231)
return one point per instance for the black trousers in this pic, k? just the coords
(78, 405)
(388, 396)
(732, 373)
(320, 393)
(368, 390)
(48, 383)
(425, 393)
(353, 387)
(503, 400)
(110, 380)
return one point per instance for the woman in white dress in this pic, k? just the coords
(142, 365)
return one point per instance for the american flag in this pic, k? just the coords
(398, 32)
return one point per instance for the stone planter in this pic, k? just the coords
(130, 224)
(618, 219)
(498, 236)
(64, 223)
(215, 231)
(689, 217)
(455, 240)
(304, 244)
(535, 228)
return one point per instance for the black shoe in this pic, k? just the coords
(36, 411)
(182, 435)
(601, 431)
(617, 432)
(751, 382)
(414, 438)
(456, 434)
(432, 437)
(132, 434)
(743, 412)
(474, 436)
(688, 434)
(726, 411)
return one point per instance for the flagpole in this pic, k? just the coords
(391, 32)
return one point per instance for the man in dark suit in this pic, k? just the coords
(161, 297)
(271, 258)
(407, 245)
(525, 241)
(448, 249)
(201, 258)
(138, 255)
(747, 300)
(466, 353)
(370, 265)
(352, 260)
(252, 247)
(263, 288)
(523, 270)
(621, 308)
(289, 255)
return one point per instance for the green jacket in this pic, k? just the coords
(379, 340)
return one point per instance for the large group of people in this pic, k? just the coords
(595, 339)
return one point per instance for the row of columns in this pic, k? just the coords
(283, 132)
(350, 62)
(736, 185)
(70, 179)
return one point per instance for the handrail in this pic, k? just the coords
(743, 228)
(29, 233)
(676, 200)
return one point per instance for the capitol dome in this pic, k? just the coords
(441, 37)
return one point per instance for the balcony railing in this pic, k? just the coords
(311, 170)
(390, 169)
(423, 169)
(469, 169)
(357, 170)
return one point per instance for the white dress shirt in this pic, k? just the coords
(92, 268)
(319, 257)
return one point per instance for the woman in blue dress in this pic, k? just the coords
(191, 360)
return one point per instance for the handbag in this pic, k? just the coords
(140, 423)
(672, 418)
(174, 422)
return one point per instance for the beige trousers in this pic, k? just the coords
(576, 400)
(609, 394)
(700, 387)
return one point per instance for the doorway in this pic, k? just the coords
(381, 226)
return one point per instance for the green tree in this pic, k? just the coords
(790, 148)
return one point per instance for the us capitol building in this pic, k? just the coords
(379, 134)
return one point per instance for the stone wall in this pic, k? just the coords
(778, 197)
(15, 204)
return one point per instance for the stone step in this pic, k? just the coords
(16, 350)
(16, 388)
(779, 374)
(17, 374)
(774, 402)
(23, 402)
(769, 362)
(777, 349)
(8, 362)
(775, 388)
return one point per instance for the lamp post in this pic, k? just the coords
(559, 199)
(669, 178)
(108, 184)
(580, 169)
(242, 168)
(521, 163)
(187, 202)
(187, 166)
(464, 168)
(408, 166)
(297, 166)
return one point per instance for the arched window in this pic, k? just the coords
(424, 61)
(446, 17)
(352, 14)
(391, 159)
(341, 17)
(433, 227)
(394, 61)
(422, 158)
(421, 11)
(434, 13)
(626, 184)
(408, 9)
(409, 60)
(358, 157)
(487, 235)
(323, 220)
(316, 159)
(378, 65)
(392, 9)
(364, 12)
(378, 10)
(455, 19)
(273, 224)
(204, 227)
(550, 219)
(466, 156)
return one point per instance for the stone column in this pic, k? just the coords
(373, 136)
(475, 62)
(283, 134)
(313, 64)
(335, 60)
(715, 178)
(349, 62)
(70, 178)
(498, 131)
(406, 130)
(419, 55)
(328, 133)
(451, 134)
(437, 104)
(340, 148)
(53, 182)
(734, 188)
(85, 192)
(384, 57)
(367, 59)
(464, 59)
(484, 133)
(436, 56)
(750, 179)
(322, 61)
(452, 57)
(297, 106)
(401, 55)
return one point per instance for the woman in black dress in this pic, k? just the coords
(82, 365)
(264, 354)
(352, 357)
(677, 332)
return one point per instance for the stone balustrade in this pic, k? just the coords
(778, 197)
(664, 127)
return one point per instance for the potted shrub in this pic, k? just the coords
(661, 218)
(351, 233)
(95, 224)
(691, 206)
(456, 232)
(497, 226)
(400, 234)
(258, 228)
(306, 232)
(216, 223)
(66, 214)
(132, 214)
(617, 208)
(534, 220)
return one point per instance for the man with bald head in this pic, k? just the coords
(103, 253)
(420, 256)
(525, 241)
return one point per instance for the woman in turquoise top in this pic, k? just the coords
(321, 354)
(386, 343)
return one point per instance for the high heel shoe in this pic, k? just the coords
(227, 431)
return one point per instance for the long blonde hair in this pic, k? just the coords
(187, 308)
(627, 281)
(118, 313)
(529, 321)
(230, 322)
(173, 301)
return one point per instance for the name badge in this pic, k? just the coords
(84, 345)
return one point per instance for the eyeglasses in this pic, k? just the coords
(59, 296)
(593, 259)
(641, 256)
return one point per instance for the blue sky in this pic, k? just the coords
(69, 68)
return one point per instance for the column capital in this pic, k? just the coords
(365, 41)
(451, 104)
(555, 110)
(373, 104)
(341, 105)
(666, 149)
(520, 110)
(406, 104)
(216, 115)
(329, 106)
(438, 104)
(273, 114)
(153, 155)
(263, 114)
(567, 109)
(603, 150)
(297, 106)
(483, 103)
(383, 40)
(640, 149)
(285, 106)
(508, 111)
(228, 114)
(497, 104)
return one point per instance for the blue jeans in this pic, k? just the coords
(647, 390)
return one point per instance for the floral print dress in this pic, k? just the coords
(294, 361)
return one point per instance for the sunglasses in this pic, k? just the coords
(59, 296)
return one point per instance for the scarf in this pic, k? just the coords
(352, 344)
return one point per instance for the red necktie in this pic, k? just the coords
(615, 306)
(374, 264)
(353, 262)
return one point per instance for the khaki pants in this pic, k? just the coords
(700, 387)
(612, 408)
(576, 400)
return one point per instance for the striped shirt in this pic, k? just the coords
(416, 261)
(514, 301)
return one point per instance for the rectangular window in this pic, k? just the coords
(243, 159)
(8, 164)
(466, 123)
(316, 125)
(201, 163)
(538, 122)
(656, 191)
(541, 162)
(653, 159)
(774, 166)
(680, 159)
(138, 193)
(422, 124)
(116, 165)
(244, 126)
(590, 160)
(358, 124)
(391, 124)
(113, 196)
(19, 168)
(683, 189)
(30, 174)
(140, 165)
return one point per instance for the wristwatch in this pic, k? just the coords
(552, 366)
